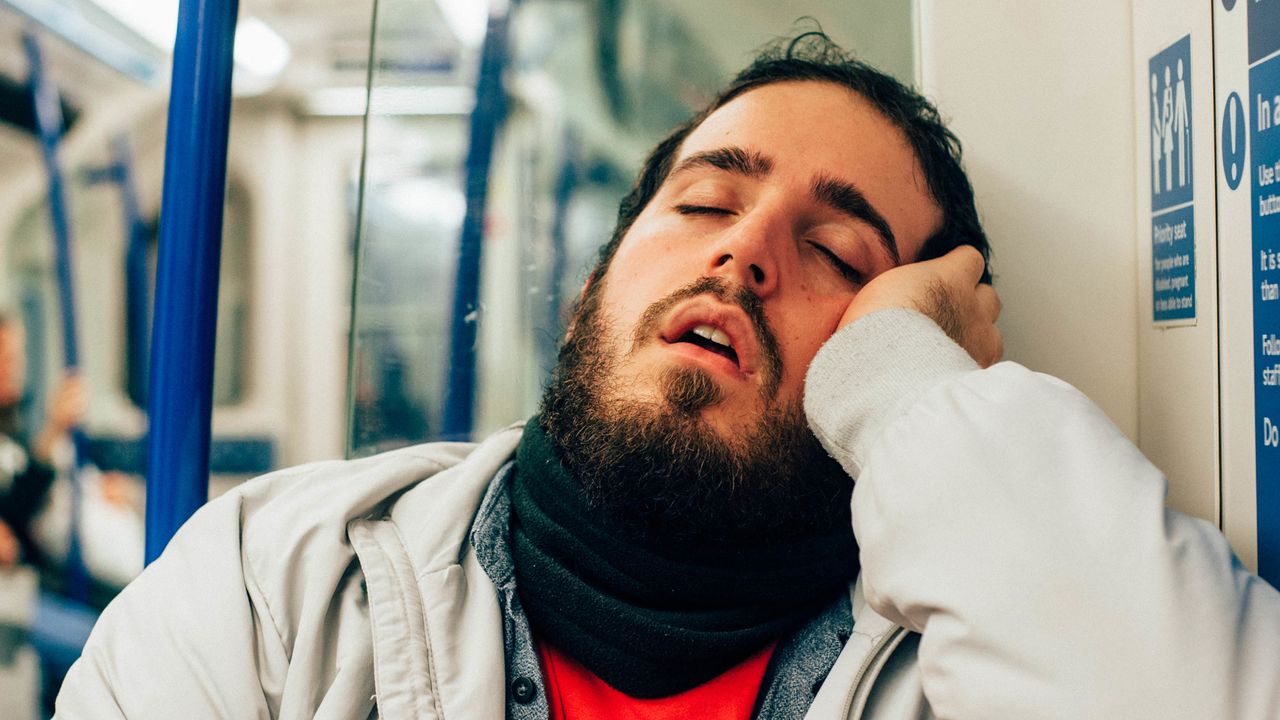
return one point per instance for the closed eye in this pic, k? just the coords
(702, 210)
(846, 270)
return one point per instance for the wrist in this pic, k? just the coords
(869, 372)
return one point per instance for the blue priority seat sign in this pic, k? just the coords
(1263, 114)
(1173, 256)
(1171, 149)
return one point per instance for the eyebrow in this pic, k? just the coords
(849, 200)
(842, 196)
(730, 159)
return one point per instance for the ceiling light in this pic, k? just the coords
(468, 19)
(259, 49)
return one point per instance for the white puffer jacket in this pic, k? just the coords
(1000, 516)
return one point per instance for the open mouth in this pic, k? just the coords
(710, 338)
(703, 325)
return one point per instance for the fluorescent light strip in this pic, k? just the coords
(116, 47)
(155, 20)
(431, 100)
(258, 49)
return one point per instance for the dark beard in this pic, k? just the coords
(660, 471)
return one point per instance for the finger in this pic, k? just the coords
(997, 353)
(988, 347)
(967, 264)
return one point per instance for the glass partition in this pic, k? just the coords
(448, 325)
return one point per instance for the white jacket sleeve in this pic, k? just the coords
(1002, 515)
(187, 638)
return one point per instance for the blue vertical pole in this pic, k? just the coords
(195, 174)
(48, 113)
(486, 118)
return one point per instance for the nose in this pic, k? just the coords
(745, 254)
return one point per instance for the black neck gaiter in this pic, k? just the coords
(653, 620)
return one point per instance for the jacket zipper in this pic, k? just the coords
(866, 664)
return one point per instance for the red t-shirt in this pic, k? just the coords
(575, 693)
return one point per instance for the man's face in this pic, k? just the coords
(780, 206)
(12, 363)
(789, 198)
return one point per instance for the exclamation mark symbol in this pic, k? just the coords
(1231, 112)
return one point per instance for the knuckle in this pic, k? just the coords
(978, 266)
(971, 256)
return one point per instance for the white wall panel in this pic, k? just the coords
(1041, 96)
(1177, 358)
(1051, 100)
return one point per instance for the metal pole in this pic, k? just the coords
(460, 390)
(48, 112)
(186, 301)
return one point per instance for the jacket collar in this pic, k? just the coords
(867, 621)
(435, 516)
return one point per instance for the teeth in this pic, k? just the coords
(715, 335)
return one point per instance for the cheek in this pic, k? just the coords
(646, 259)
(803, 332)
(646, 268)
(622, 304)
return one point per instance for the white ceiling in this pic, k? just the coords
(329, 40)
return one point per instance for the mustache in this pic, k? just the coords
(730, 294)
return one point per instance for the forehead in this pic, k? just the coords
(812, 128)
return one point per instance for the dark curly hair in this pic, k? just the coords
(814, 56)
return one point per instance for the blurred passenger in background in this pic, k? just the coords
(35, 512)
(27, 466)
(58, 626)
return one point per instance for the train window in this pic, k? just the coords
(100, 240)
(492, 170)
(232, 350)
(98, 266)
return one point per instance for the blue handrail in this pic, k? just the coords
(48, 113)
(186, 300)
(490, 109)
(137, 280)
